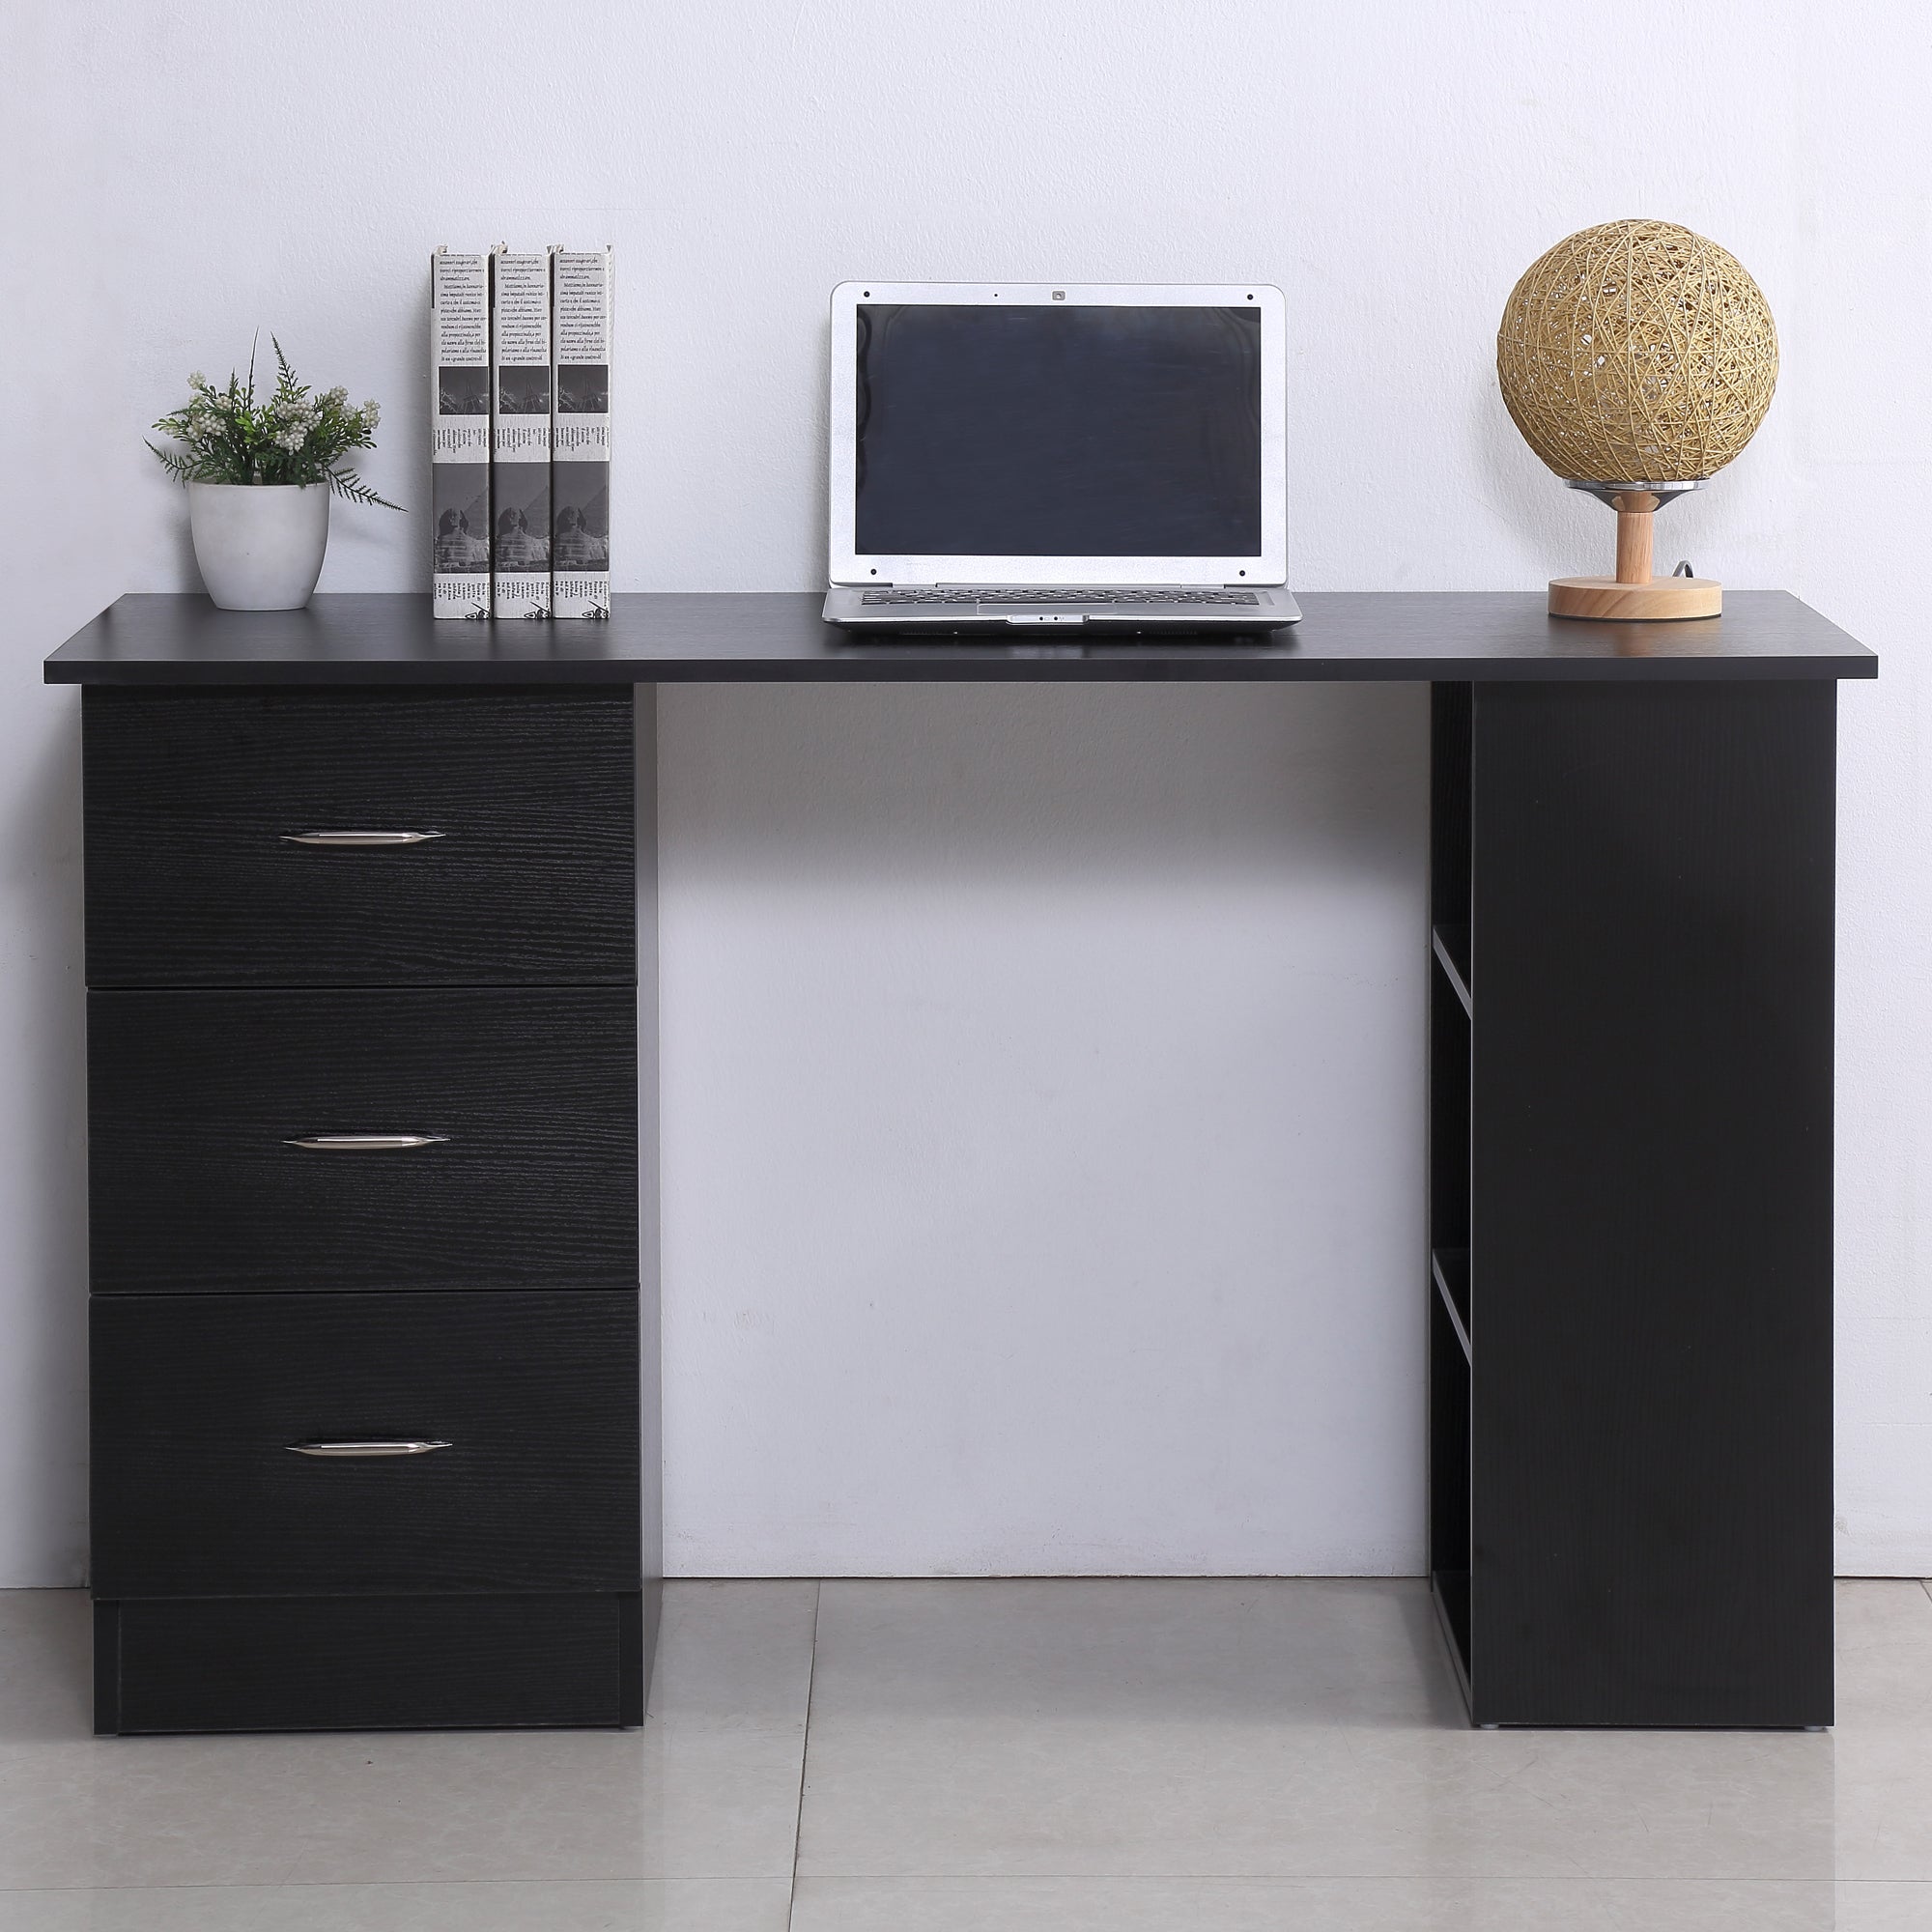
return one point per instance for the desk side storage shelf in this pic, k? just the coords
(1630, 1201)
(1628, 1278)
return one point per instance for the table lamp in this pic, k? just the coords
(1636, 358)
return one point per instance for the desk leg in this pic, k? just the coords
(1648, 1266)
(640, 1632)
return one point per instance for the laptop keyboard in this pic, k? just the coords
(1134, 599)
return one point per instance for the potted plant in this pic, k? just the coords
(258, 476)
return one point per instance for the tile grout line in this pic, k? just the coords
(1231, 1881)
(804, 1752)
(964, 1877)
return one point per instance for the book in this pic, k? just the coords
(520, 433)
(459, 349)
(579, 551)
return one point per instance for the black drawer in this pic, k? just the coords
(192, 799)
(195, 1099)
(361, 1664)
(197, 1490)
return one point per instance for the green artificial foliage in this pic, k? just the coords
(292, 435)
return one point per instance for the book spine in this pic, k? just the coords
(459, 347)
(520, 433)
(580, 548)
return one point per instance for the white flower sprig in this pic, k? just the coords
(292, 437)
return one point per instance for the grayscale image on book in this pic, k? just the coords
(461, 503)
(523, 513)
(581, 518)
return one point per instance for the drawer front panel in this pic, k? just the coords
(198, 1489)
(194, 799)
(524, 1104)
(303, 1664)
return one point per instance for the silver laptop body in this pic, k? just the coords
(1041, 456)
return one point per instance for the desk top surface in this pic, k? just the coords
(776, 638)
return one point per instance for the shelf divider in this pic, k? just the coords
(1451, 1268)
(1451, 945)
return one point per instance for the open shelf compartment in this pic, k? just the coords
(1449, 1514)
(1452, 1022)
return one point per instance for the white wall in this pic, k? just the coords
(1042, 1114)
(1041, 1091)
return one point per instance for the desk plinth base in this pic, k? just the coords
(1660, 600)
(373, 1663)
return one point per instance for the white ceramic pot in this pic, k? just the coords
(259, 545)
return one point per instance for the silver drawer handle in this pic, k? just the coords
(409, 1446)
(358, 838)
(365, 1143)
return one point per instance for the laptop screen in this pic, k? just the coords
(1043, 431)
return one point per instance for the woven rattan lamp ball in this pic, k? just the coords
(1636, 358)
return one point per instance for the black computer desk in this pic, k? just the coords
(375, 1389)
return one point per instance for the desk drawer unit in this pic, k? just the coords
(299, 1444)
(358, 838)
(335, 1138)
(366, 1369)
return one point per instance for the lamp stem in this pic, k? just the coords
(1636, 510)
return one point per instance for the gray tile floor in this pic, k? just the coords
(1052, 1756)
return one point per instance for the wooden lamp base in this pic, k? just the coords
(1660, 599)
(1634, 595)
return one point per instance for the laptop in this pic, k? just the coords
(1043, 457)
